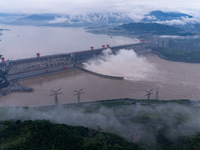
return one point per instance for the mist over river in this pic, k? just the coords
(175, 80)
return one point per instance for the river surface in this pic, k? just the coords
(26, 41)
(175, 80)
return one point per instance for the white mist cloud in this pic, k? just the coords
(182, 21)
(179, 37)
(151, 17)
(117, 120)
(134, 11)
(81, 6)
(98, 18)
(125, 63)
(135, 17)
(60, 20)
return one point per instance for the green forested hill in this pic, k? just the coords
(43, 135)
(152, 28)
(148, 126)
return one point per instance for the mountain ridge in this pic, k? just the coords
(176, 19)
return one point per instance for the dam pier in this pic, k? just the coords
(151, 70)
(41, 65)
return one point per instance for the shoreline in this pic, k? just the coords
(165, 58)
(121, 101)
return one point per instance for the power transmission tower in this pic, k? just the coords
(78, 93)
(157, 88)
(149, 94)
(56, 93)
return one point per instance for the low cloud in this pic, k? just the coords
(181, 121)
(151, 17)
(60, 20)
(135, 17)
(181, 21)
(180, 37)
(99, 18)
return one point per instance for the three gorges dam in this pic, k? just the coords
(42, 74)
(41, 65)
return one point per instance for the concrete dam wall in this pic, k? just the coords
(44, 71)
(85, 55)
(29, 67)
(101, 75)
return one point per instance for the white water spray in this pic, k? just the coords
(125, 63)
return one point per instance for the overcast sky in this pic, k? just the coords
(80, 6)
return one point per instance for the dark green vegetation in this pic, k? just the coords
(43, 135)
(146, 100)
(157, 125)
(127, 101)
(181, 56)
(187, 44)
(142, 30)
(183, 50)
(181, 143)
(152, 28)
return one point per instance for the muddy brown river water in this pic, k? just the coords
(175, 81)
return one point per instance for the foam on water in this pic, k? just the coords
(125, 63)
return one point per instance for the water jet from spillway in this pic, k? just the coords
(125, 63)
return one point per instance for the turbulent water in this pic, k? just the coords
(125, 63)
(175, 81)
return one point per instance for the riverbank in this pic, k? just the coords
(176, 56)
(120, 102)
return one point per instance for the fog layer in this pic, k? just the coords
(135, 122)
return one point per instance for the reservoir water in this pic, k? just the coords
(26, 41)
(175, 80)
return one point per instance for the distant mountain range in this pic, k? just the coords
(151, 29)
(163, 16)
(176, 19)
(66, 20)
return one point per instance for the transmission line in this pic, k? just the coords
(56, 93)
(78, 93)
(157, 88)
(149, 94)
